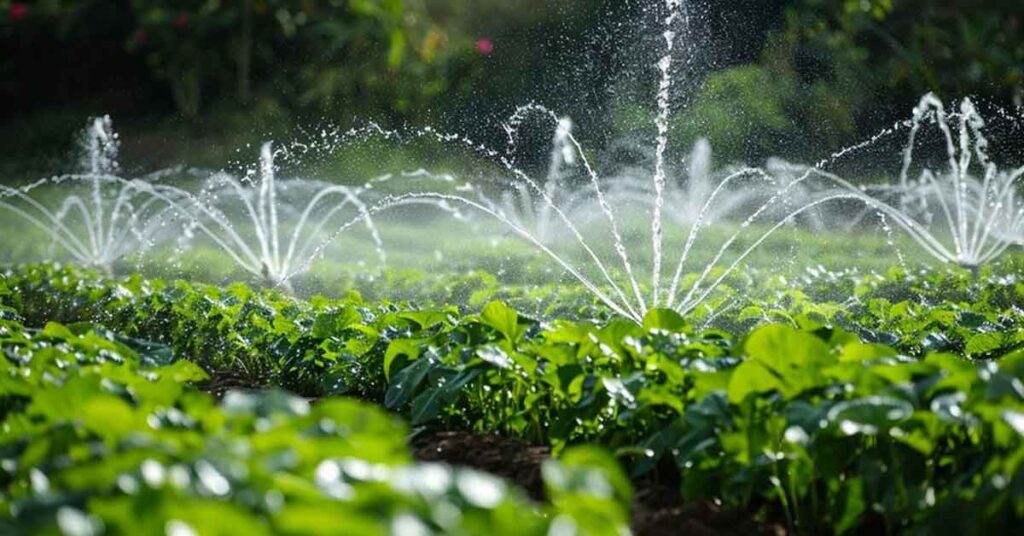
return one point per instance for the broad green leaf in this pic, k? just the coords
(780, 345)
(403, 387)
(779, 358)
(618, 391)
(108, 416)
(869, 415)
(58, 331)
(751, 312)
(494, 355)
(984, 343)
(564, 331)
(329, 324)
(865, 352)
(426, 319)
(410, 348)
(665, 320)
(502, 318)
(430, 402)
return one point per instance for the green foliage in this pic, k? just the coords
(831, 73)
(586, 480)
(775, 107)
(955, 48)
(383, 53)
(741, 106)
(387, 49)
(779, 359)
(819, 422)
(98, 437)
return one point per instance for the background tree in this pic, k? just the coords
(759, 77)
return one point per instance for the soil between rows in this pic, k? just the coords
(658, 509)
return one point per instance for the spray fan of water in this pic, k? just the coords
(276, 229)
(793, 191)
(116, 217)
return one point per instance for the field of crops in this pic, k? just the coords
(834, 402)
(501, 268)
(423, 354)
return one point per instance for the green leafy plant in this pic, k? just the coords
(103, 434)
(824, 427)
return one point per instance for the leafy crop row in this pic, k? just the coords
(103, 434)
(819, 424)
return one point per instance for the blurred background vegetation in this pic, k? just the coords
(191, 81)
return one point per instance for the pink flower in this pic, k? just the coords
(484, 46)
(17, 11)
(181, 21)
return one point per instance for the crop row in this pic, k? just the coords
(103, 434)
(803, 419)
